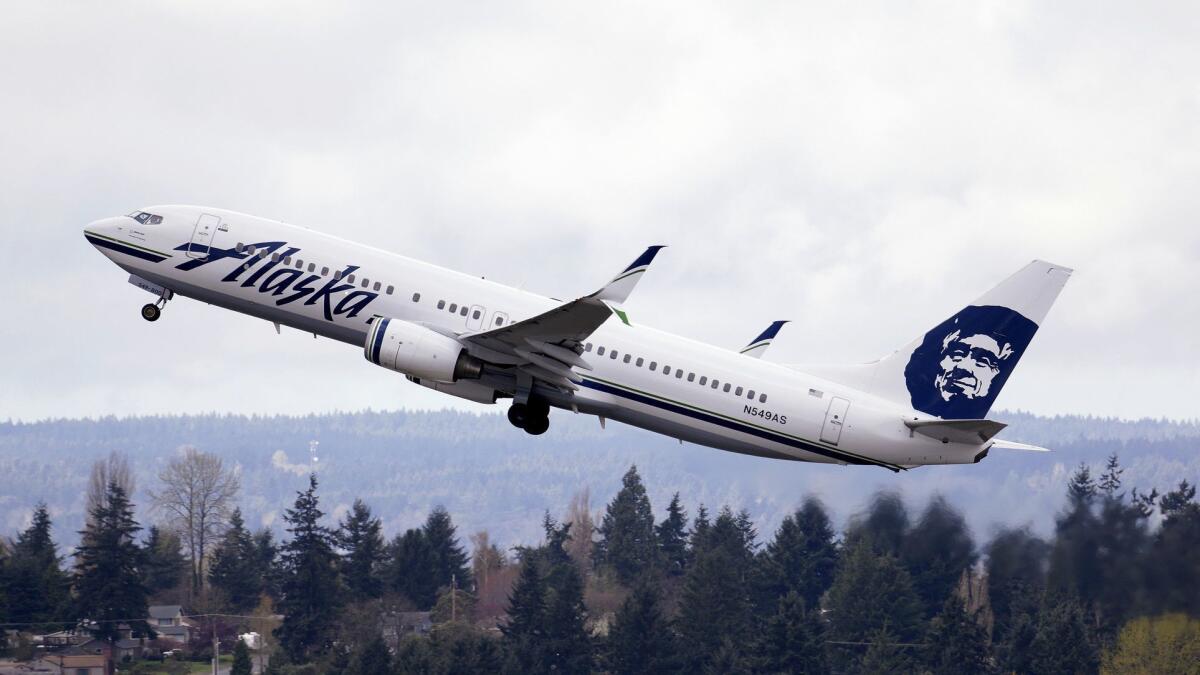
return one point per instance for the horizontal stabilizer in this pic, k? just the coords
(973, 432)
(1013, 445)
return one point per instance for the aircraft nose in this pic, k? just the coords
(103, 228)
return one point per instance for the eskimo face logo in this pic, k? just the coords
(961, 365)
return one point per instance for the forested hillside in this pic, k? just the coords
(491, 476)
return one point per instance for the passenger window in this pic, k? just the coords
(726, 389)
(587, 347)
(715, 384)
(287, 260)
(390, 289)
(476, 314)
(613, 355)
(299, 264)
(240, 247)
(463, 311)
(499, 320)
(416, 297)
(691, 377)
(337, 275)
(250, 249)
(312, 267)
(666, 370)
(366, 282)
(263, 254)
(274, 257)
(626, 359)
(762, 398)
(600, 351)
(378, 286)
(750, 394)
(324, 271)
(679, 373)
(703, 380)
(639, 362)
(350, 279)
(441, 304)
(453, 307)
(737, 392)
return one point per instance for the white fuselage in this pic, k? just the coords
(758, 407)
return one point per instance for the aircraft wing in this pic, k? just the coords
(546, 346)
(758, 346)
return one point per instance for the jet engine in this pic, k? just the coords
(419, 352)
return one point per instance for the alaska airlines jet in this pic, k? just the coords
(926, 403)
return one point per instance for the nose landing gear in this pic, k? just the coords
(151, 311)
(533, 417)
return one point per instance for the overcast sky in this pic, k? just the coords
(861, 170)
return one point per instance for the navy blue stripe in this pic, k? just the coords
(380, 329)
(769, 333)
(127, 250)
(730, 424)
(645, 258)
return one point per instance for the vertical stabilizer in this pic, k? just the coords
(956, 369)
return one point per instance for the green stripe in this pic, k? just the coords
(125, 243)
(834, 448)
(628, 274)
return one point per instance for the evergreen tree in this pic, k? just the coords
(1175, 553)
(526, 627)
(870, 592)
(715, 601)
(936, 552)
(235, 569)
(883, 526)
(266, 558)
(1082, 487)
(108, 582)
(1016, 565)
(640, 640)
(792, 640)
(310, 588)
(360, 537)
(802, 558)
(728, 659)
(884, 654)
(956, 643)
(568, 647)
(701, 527)
(241, 660)
(1013, 639)
(449, 558)
(672, 538)
(1075, 568)
(1063, 643)
(1110, 480)
(37, 587)
(627, 543)
(373, 659)
(411, 566)
(164, 561)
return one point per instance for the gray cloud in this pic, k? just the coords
(862, 171)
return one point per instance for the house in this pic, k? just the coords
(395, 625)
(168, 622)
(90, 658)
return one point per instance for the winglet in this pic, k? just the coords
(758, 346)
(622, 285)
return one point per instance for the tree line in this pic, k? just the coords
(1113, 589)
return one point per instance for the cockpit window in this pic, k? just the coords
(146, 218)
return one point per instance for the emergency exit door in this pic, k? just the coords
(835, 417)
(202, 236)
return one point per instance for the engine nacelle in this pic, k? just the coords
(414, 350)
(472, 391)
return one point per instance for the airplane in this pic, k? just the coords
(924, 404)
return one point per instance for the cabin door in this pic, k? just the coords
(202, 236)
(835, 417)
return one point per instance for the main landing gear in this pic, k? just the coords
(533, 417)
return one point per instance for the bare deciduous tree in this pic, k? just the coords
(113, 469)
(197, 496)
(579, 515)
(486, 557)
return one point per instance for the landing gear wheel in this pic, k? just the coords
(518, 413)
(537, 426)
(151, 312)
